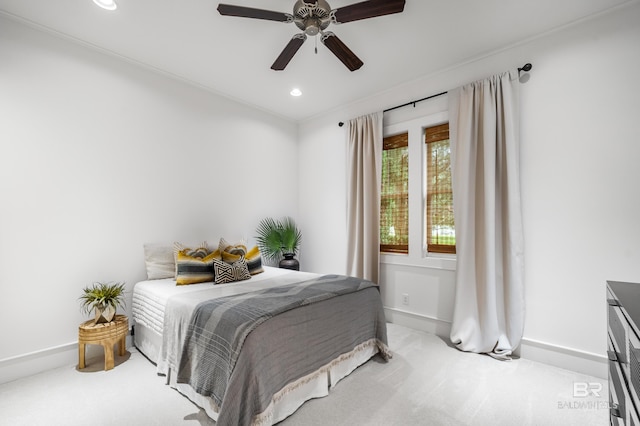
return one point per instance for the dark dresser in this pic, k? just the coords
(623, 300)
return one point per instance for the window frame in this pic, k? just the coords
(418, 255)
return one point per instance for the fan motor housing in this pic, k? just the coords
(312, 17)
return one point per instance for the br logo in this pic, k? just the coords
(585, 389)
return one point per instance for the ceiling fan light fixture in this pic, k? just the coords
(313, 17)
(296, 92)
(106, 4)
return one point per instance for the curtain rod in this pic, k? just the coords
(526, 68)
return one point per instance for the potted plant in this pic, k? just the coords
(104, 299)
(279, 241)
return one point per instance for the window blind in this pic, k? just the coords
(394, 199)
(440, 227)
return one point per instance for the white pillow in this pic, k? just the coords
(160, 261)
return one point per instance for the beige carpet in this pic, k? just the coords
(426, 383)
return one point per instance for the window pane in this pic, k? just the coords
(441, 235)
(394, 202)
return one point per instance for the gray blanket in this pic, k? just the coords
(317, 331)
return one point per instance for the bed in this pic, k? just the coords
(282, 359)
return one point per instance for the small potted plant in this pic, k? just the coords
(104, 299)
(279, 241)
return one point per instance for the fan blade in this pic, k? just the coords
(249, 12)
(342, 52)
(367, 9)
(289, 50)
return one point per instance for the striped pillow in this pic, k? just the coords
(230, 257)
(239, 249)
(230, 272)
(200, 250)
(194, 268)
(254, 261)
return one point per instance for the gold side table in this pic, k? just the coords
(107, 335)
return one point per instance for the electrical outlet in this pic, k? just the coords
(405, 299)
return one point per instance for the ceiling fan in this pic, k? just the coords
(313, 18)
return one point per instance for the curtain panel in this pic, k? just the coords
(364, 169)
(489, 300)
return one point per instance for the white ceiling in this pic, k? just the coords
(232, 56)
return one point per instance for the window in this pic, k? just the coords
(440, 228)
(394, 200)
(416, 210)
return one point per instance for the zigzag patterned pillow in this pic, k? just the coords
(192, 269)
(230, 272)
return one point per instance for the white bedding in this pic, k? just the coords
(150, 297)
(161, 313)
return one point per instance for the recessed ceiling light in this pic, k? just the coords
(296, 92)
(106, 4)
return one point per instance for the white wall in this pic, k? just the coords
(580, 174)
(99, 156)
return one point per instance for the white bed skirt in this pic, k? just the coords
(286, 401)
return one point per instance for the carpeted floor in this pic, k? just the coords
(426, 383)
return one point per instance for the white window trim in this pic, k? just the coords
(418, 255)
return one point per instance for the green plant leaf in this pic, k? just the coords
(278, 237)
(102, 294)
(268, 238)
(291, 236)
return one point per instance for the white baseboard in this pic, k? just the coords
(558, 356)
(36, 362)
(418, 322)
(26, 365)
(563, 357)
